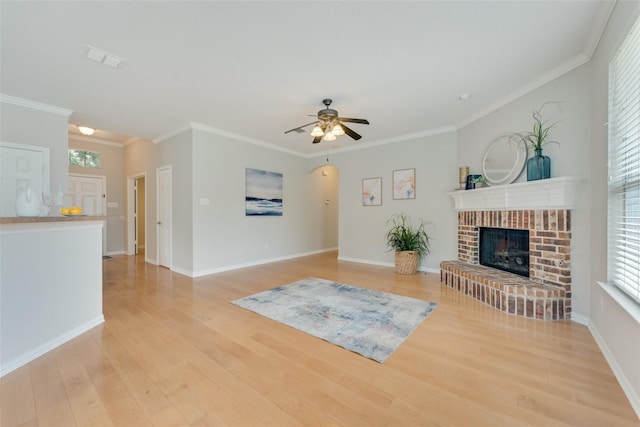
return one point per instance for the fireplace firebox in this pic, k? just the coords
(505, 249)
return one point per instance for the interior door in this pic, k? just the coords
(163, 215)
(140, 215)
(89, 192)
(20, 168)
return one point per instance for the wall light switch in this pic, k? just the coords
(112, 204)
(204, 201)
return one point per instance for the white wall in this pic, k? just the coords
(616, 330)
(41, 125)
(571, 157)
(112, 167)
(224, 237)
(146, 157)
(141, 157)
(362, 228)
(325, 183)
(217, 237)
(177, 152)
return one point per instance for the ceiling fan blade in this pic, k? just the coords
(350, 132)
(348, 120)
(317, 139)
(299, 128)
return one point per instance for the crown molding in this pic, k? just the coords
(83, 138)
(393, 140)
(568, 66)
(209, 129)
(592, 41)
(33, 105)
(606, 8)
(238, 137)
(171, 134)
(215, 131)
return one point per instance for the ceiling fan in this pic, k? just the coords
(329, 125)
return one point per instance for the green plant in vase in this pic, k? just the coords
(478, 181)
(539, 166)
(409, 243)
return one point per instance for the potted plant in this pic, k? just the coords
(539, 166)
(478, 181)
(409, 243)
(474, 181)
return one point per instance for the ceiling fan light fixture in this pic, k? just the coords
(329, 136)
(317, 131)
(85, 130)
(329, 125)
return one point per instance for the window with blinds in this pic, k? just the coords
(624, 166)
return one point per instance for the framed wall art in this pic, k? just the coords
(404, 184)
(372, 192)
(263, 195)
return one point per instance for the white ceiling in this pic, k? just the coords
(257, 69)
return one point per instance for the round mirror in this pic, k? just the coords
(504, 159)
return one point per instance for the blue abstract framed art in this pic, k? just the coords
(263, 195)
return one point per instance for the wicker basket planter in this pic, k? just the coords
(409, 243)
(407, 262)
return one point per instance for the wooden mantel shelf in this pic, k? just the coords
(553, 193)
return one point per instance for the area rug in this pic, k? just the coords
(370, 323)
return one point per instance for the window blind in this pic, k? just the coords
(624, 166)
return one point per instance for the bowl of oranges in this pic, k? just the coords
(72, 211)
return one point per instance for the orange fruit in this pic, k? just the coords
(75, 210)
(64, 211)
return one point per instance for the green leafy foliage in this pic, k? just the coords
(88, 159)
(538, 137)
(402, 236)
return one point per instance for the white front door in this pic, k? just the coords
(21, 167)
(89, 192)
(163, 215)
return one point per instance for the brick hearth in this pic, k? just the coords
(546, 295)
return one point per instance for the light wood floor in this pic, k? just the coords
(173, 351)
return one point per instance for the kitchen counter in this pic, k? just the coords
(32, 219)
(50, 282)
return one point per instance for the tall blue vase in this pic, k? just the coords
(538, 166)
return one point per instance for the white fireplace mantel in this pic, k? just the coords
(553, 193)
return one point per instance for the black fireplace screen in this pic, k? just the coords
(505, 249)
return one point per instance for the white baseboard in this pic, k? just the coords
(628, 390)
(182, 271)
(580, 318)
(23, 359)
(116, 253)
(385, 264)
(249, 264)
(366, 261)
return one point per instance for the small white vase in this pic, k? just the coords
(28, 203)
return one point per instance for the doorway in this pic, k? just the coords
(140, 215)
(164, 215)
(90, 193)
(137, 215)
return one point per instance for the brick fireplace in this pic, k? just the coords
(544, 209)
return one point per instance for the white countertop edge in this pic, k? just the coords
(31, 227)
